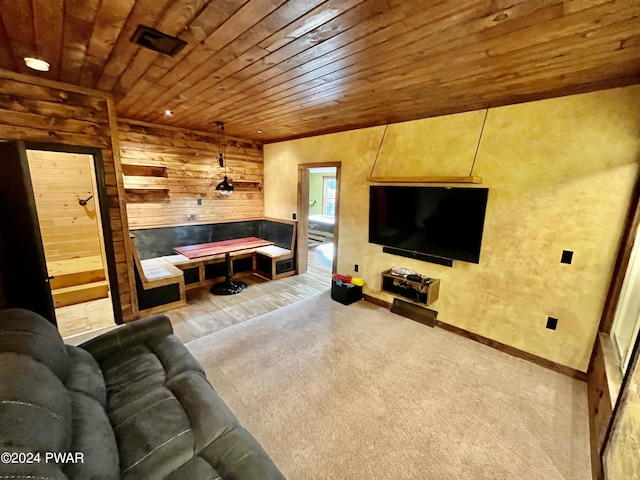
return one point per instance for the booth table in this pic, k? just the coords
(226, 247)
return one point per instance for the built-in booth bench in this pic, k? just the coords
(162, 276)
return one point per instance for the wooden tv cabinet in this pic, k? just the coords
(422, 292)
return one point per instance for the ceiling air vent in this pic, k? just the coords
(152, 39)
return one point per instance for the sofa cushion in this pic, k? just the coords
(93, 437)
(132, 334)
(28, 333)
(85, 375)
(41, 470)
(131, 374)
(195, 468)
(40, 413)
(154, 431)
(35, 407)
(208, 414)
(174, 356)
(238, 455)
(164, 413)
(155, 440)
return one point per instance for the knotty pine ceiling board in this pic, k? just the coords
(300, 68)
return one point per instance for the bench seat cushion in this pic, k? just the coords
(159, 269)
(177, 259)
(242, 252)
(273, 251)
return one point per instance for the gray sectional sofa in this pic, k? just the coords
(130, 404)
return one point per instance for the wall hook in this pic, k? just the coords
(84, 202)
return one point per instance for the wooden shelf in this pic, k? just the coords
(147, 195)
(425, 179)
(248, 184)
(143, 170)
(417, 291)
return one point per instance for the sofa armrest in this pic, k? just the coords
(134, 333)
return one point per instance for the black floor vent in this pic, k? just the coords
(152, 39)
(423, 315)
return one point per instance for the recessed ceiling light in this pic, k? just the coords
(168, 113)
(259, 131)
(36, 64)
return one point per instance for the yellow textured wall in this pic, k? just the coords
(621, 459)
(560, 174)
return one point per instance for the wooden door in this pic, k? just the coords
(25, 280)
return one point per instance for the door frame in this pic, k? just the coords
(629, 236)
(627, 295)
(103, 201)
(303, 213)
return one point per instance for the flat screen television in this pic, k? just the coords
(445, 222)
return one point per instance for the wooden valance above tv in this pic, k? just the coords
(425, 179)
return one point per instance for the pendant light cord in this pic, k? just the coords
(222, 149)
(222, 160)
(379, 148)
(475, 155)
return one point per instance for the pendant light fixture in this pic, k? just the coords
(224, 187)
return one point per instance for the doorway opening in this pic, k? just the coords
(318, 207)
(69, 216)
(321, 217)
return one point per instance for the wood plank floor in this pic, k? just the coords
(83, 318)
(207, 313)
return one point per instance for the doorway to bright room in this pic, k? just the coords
(322, 217)
(318, 210)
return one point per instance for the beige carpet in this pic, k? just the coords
(356, 392)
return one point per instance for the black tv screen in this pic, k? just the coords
(444, 222)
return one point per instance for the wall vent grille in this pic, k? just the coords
(152, 39)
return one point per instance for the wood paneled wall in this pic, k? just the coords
(60, 179)
(169, 171)
(43, 111)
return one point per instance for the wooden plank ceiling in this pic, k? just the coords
(275, 69)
